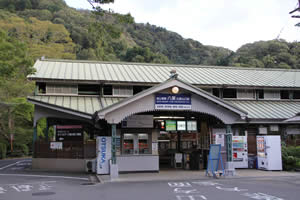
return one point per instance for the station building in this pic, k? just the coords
(154, 112)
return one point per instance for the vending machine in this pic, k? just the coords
(269, 152)
(240, 151)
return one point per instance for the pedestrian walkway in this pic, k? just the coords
(166, 175)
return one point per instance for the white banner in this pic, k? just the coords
(103, 154)
(56, 145)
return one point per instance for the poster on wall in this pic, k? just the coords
(103, 154)
(56, 145)
(154, 146)
(69, 133)
(170, 125)
(181, 126)
(220, 139)
(192, 125)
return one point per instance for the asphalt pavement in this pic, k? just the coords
(18, 181)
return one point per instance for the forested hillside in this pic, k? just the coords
(30, 29)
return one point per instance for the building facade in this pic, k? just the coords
(157, 119)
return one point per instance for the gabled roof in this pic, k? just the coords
(101, 114)
(144, 73)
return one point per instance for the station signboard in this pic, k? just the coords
(173, 102)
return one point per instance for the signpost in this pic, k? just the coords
(103, 154)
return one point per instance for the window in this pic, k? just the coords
(271, 94)
(284, 94)
(42, 88)
(128, 142)
(229, 93)
(136, 143)
(89, 89)
(216, 92)
(260, 94)
(120, 90)
(245, 94)
(296, 94)
(143, 143)
(61, 89)
(107, 90)
(138, 89)
(209, 90)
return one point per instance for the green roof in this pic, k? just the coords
(142, 73)
(87, 105)
(266, 109)
(82, 104)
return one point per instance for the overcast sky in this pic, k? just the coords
(226, 23)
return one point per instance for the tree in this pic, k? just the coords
(15, 112)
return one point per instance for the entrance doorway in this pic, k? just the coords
(184, 139)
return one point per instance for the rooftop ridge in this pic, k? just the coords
(170, 65)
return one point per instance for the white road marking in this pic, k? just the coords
(2, 190)
(185, 190)
(7, 166)
(261, 196)
(179, 184)
(191, 197)
(22, 188)
(43, 176)
(235, 189)
(31, 183)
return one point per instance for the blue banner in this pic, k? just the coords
(173, 101)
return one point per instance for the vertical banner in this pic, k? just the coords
(103, 154)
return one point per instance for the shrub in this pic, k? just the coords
(2, 150)
(25, 149)
(290, 157)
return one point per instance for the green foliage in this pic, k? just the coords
(43, 38)
(268, 54)
(290, 157)
(174, 47)
(15, 111)
(3, 149)
(138, 54)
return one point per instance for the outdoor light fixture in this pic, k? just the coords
(175, 90)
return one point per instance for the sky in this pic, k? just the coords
(225, 23)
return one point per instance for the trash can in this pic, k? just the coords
(252, 162)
